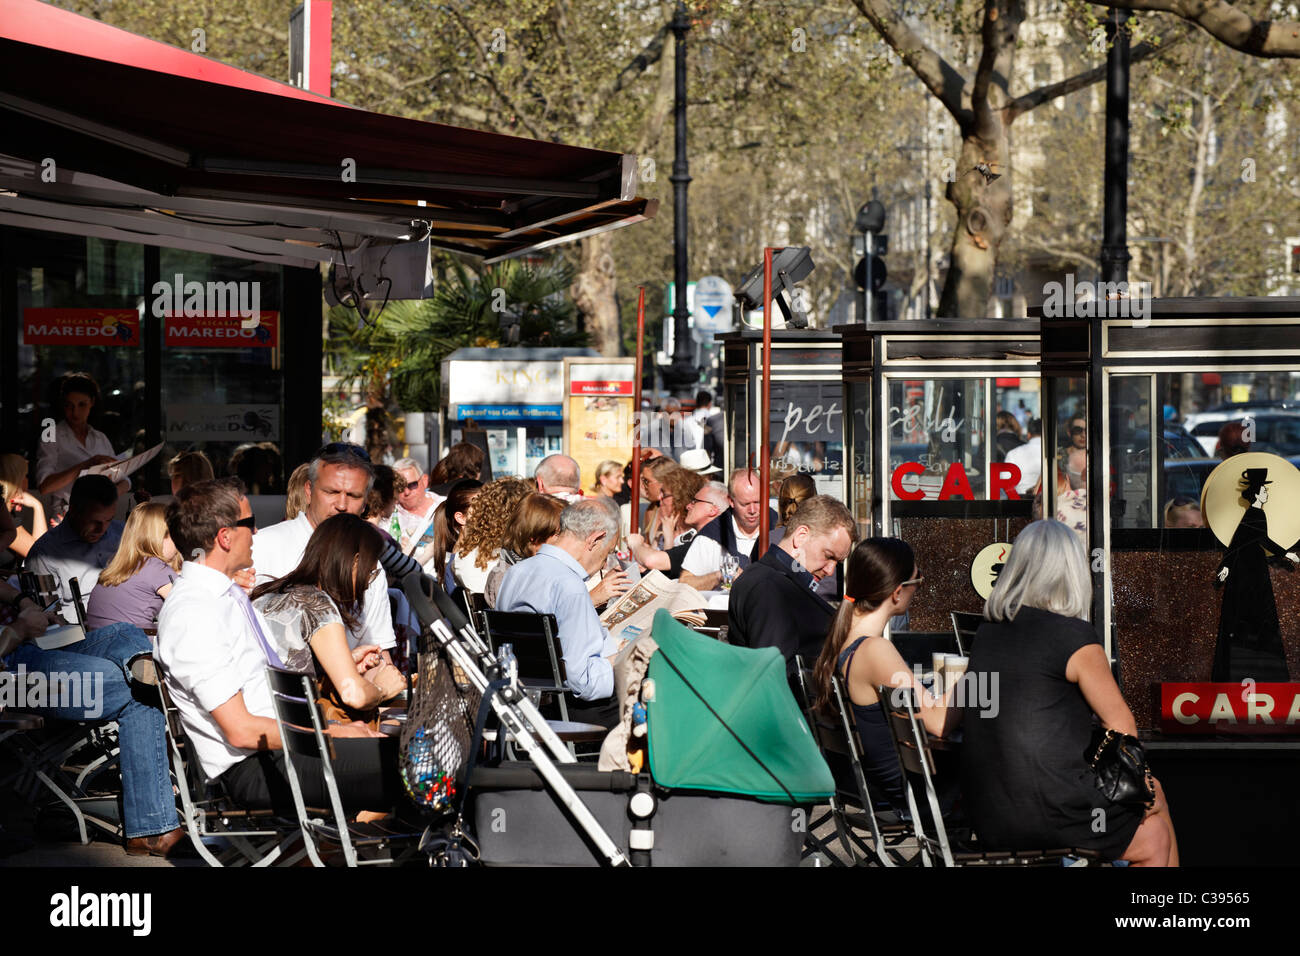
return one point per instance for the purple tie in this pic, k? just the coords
(246, 606)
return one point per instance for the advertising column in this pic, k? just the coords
(598, 412)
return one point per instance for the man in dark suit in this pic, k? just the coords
(773, 603)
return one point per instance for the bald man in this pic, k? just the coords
(559, 475)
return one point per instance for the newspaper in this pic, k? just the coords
(124, 466)
(632, 614)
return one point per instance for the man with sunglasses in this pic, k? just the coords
(338, 480)
(415, 504)
(709, 502)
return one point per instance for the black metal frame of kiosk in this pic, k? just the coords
(1154, 602)
(909, 385)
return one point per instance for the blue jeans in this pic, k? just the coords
(100, 663)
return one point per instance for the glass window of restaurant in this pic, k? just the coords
(85, 304)
(80, 307)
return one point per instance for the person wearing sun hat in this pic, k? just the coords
(698, 461)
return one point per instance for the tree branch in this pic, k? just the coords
(653, 53)
(939, 76)
(1226, 23)
(1072, 84)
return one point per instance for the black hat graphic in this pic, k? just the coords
(1254, 477)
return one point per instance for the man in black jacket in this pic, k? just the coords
(772, 603)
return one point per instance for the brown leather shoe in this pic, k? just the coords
(173, 843)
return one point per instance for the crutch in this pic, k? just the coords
(518, 714)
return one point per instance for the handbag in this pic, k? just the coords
(1123, 775)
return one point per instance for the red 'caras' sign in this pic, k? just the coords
(600, 388)
(117, 327)
(1241, 708)
(222, 332)
(1005, 476)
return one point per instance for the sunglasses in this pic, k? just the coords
(343, 448)
(702, 501)
(250, 523)
(917, 581)
(412, 485)
(1077, 430)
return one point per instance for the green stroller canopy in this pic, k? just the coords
(722, 718)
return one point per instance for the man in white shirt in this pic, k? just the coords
(338, 480)
(1029, 458)
(83, 543)
(732, 532)
(213, 653)
(559, 475)
(415, 504)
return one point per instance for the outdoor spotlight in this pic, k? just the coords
(789, 265)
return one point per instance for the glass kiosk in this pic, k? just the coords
(807, 424)
(1169, 397)
(928, 463)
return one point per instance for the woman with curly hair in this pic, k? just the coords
(486, 530)
(680, 486)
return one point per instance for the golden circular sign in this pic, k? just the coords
(1222, 505)
(986, 567)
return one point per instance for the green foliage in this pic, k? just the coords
(397, 354)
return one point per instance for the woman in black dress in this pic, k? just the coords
(1250, 640)
(1024, 776)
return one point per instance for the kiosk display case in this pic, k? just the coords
(807, 410)
(923, 404)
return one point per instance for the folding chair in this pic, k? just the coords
(964, 626)
(302, 734)
(912, 743)
(851, 807)
(254, 837)
(533, 636)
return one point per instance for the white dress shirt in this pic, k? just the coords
(209, 654)
(277, 550)
(705, 554)
(469, 575)
(65, 451)
(1029, 459)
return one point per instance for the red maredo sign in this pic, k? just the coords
(600, 388)
(113, 327)
(213, 331)
(1003, 477)
(1243, 707)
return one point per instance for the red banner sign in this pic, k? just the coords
(600, 388)
(222, 332)
(1005, 476)
(113, 327)
(1239, 708)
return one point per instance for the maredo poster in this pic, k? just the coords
(598, 395)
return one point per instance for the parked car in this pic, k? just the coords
(1279, 430)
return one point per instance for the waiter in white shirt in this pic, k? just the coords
(1029, 459)
(75, 445)
(338, 480)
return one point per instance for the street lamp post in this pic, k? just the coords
(683, 374)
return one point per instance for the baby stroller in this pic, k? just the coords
(730, 767)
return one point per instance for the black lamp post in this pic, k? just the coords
(1114, 245)
(682, 375)
(869, 221)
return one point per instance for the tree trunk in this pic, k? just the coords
(593, 293)
(983, 215)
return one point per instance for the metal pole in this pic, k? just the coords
(635, 519)
(869, 249)
(765, 463)
(928, 308)
(1114, 246)
(683, 374)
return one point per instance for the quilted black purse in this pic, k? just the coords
(1120, 763)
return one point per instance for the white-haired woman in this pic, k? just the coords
(1024, 778)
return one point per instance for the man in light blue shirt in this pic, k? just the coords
(553, 581)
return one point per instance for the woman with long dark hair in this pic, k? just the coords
(882, 579)
(312, 608)
(448, 521)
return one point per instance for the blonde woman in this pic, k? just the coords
(486, 531)
(132, 588)
(609, 479)
(295, 498)
(13, 481)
